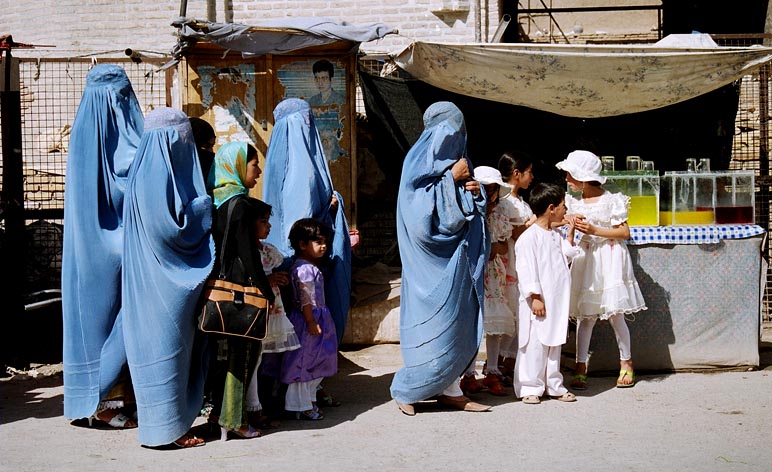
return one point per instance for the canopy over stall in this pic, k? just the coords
(586, 81)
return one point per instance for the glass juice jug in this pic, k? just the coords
(642, 187)
(688, 198)
(735, 197)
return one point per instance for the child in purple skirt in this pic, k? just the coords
(305, 368)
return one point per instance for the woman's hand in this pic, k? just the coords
(460, 171)
(334, 202)
(278, 279)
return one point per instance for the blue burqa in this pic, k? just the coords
(105, 135)
(297, 184)
(168, 255)
(443, 245)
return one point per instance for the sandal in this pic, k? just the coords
(311, 415)
(493, 383)
(566, 397)
(470, 385)
(188, 440)
(579, 382)
(531, 400)
(117, 421)
(625, 373)
(242, 433)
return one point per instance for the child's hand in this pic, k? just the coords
(314, 329)
(538, 308)
(582, 225)
(278, 279)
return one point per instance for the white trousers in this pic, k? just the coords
(454, 389)
(253, 399)
(537, 369)
(301, 396)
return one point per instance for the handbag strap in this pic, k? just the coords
(225, 238)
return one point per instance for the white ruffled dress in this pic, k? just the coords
(499, 317)
(280, 333)
(602, 280)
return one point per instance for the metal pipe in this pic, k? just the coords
(183, 8)
(211, 11)
(477, 21)
(502, 28)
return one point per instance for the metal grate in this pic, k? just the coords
(51, 90)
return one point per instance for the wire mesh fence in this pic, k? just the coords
(50, 91)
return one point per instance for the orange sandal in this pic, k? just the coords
(493, 383)
(470, 385)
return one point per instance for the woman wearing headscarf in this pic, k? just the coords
(235, 170)
(443, 245)
(105, 135)
(168, 255)
(298, 185)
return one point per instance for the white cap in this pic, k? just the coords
(490, 175)
(584, 166)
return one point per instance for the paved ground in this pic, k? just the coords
(671, 422)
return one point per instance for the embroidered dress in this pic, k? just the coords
(499, 317)
(318, 355)
(602, 279)
(280, 335)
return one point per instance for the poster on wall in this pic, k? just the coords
(322, 84)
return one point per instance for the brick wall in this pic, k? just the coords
(84, 27)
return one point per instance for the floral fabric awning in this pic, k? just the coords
(587, 81)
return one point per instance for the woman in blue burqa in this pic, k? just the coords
(168, 255)
(105, 135)
(297, 184)
(443, 246)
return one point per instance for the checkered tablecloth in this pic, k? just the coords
(697, 234)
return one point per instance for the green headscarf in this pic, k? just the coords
(228, 172)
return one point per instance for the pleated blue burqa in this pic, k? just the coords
(168, 255)
(105, 134)
(443, 245)
(297, 184)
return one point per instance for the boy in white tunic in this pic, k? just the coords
(544, 279)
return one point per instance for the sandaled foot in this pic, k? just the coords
(462, 403)
(531, 400)
(188, 440)
(311, 415)
(470, 385)
(258, 420)
(626, 378)
(566, 397)
(406, 408)
(579, 382)
(242, 433)
(493, 383)
(113, 418)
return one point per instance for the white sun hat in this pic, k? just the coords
(584, 166)
(490, 175)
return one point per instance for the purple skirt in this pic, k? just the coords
(317, 356)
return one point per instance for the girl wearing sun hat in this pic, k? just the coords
(498, 317)
(603, 285)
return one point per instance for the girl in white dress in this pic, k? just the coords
(603, 285)
(517, 170)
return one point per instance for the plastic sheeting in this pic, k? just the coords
(279, 36)
(587, 81)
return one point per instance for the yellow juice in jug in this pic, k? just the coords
(643, 211)
(703, 217)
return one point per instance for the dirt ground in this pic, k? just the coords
(720, 420)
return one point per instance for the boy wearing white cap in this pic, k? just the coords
(603, 285)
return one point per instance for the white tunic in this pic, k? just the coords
(542, 268)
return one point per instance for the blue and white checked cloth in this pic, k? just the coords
(696, 234)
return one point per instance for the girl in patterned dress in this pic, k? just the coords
(498, 317)
(603, 285)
